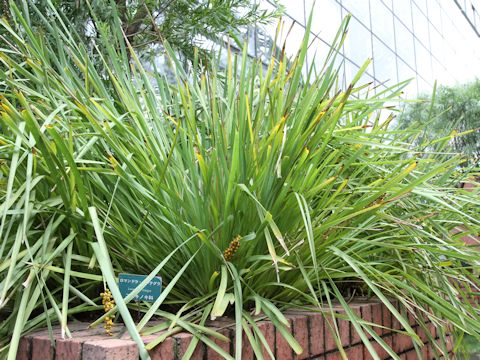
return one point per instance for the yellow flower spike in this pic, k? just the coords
(232, 248)
(108, 304)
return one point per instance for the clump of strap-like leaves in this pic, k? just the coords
(124, 171)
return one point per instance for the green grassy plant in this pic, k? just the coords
(122, 170)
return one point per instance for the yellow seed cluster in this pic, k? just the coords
(232, 248)
(108, 304)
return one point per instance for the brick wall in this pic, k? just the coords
(309, 328)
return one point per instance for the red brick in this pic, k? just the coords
(343, 328)
(409, 355)
(333, 356)
(24, 349)
(183, 342)
(81, 328)
(402, 342)
(433, 330)
(331, 334)
(431, 351)
(247, 350)
(367, 315)
(381, 352)
(425, 352)
(78, 326)
(163, 351)
(111, 349)
(308, 329)
(42, 348)
(317, 332)
(69, 349)
(396, 325)
(283, 349)
(449, 342)
(74, 327)
(421, 334)
(354, 352)
(98, 333)
(354, 336)
(212, 354)
(300, 330)
(386, 319)
(389, 341)
(377, 317)
(412, 320)
(378, 349)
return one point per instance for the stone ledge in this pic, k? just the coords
(310, 329)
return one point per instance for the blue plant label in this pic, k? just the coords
(151, 292)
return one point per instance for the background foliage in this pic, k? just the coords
(185, 24)
(453, 110)
(120, 170)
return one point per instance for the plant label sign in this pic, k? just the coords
(151, 292)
